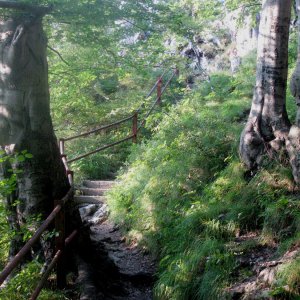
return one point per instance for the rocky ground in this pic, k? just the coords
(257, 267)
(112, 269)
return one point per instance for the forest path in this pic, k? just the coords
(115, 269)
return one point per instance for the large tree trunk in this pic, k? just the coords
(268, 125)
(25, 122)
(293, 145)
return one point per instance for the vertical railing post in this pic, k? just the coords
(62, 146)
(70, 175)
(60, 245)
(135, 127)
(159, 86)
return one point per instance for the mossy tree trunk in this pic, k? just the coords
(25, 122)
(268, 127)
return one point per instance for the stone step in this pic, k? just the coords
(98, 183)
(89, 199)
(92, 191)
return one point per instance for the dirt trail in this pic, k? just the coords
(109, 268)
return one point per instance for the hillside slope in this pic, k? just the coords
(185, 196)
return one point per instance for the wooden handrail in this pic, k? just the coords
(156, 83)
(101, 148)
(98, 129)
(158, 94)
(157, 99)
(135, 127)
(26, 248)
(55, 259)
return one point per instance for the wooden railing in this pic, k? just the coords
(136, 126)
(113, 125)
(58, 214)
(61, 242)
(160, 92)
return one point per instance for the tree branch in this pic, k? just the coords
(42, 10)
(60, 56)
(133, 24)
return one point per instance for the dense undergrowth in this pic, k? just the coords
(185, 196)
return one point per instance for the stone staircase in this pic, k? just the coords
(92, 191)
(91, 200)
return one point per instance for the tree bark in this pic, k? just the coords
(268, 125)
(293, 144)
(37, 10)
(25, 122)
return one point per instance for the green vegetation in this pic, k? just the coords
(108, 65)
(287, 284)
(26, 277)
(7, 187)
(21, 286)
(185, 195)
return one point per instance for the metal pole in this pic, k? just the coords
(98, 129)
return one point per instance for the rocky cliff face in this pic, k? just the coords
(223, 45)
(243, 31)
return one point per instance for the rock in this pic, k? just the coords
(267, 275)
(100, 215)
(87, 211)
(93, 213)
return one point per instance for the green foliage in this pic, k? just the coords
(287, 285)
(177, 195)
(109, 51)
(293, 50)
(185, 197)
(183, 193)
(7, 187)
(106, 76)
(281, 218)
(8, 184)
(246, 6)
(100, 165)
(4, 236)
(21, 286)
